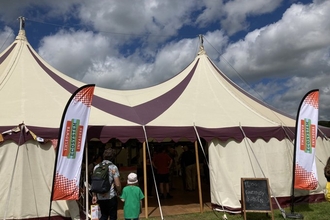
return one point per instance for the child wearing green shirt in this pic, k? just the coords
(132, 197)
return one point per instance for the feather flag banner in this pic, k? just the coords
(306, 133)
(71, 144)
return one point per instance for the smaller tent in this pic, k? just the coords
(26, 171)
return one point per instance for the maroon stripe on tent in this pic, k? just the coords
(5, 55)
(65, 84)
(148, 111)
(141, 114)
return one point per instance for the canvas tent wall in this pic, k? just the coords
(198, 102)
(230, 161)
(26, 176)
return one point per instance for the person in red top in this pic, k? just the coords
(162, 163)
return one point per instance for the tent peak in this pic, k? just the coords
(21, 34)
(201, 47)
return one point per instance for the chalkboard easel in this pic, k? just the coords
(255, 196)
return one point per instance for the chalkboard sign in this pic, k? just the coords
(255, 195)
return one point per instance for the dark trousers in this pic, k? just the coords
(108, 208)
(183, 176)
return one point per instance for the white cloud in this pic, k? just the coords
(286, 46)
(292, 54)
(232, 15)
(237, 12)
(298, 87)
(153, 21)
(73, 52)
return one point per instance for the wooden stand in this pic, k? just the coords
(255, 196)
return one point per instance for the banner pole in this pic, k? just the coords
(54, 172)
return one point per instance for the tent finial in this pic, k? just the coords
(21, 23)
(201, 40)
(201, 47)
(21, 33)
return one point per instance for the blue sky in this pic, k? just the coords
(277, 50)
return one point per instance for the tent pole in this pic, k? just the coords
(86, 180)
(198, 178)
(145, 180)
(208, 166)
(153, 174)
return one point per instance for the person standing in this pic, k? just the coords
(108, 201)
(132, 197)
(188, 163)
(327, 176)
(162, 162)
(173, 154)
(182, 170)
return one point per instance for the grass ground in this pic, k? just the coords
(315, 211)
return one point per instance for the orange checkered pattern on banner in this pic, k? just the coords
(65, 189)
(313, 99)
(85, 96)
(304, 179)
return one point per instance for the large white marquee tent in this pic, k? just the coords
(246, 138)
